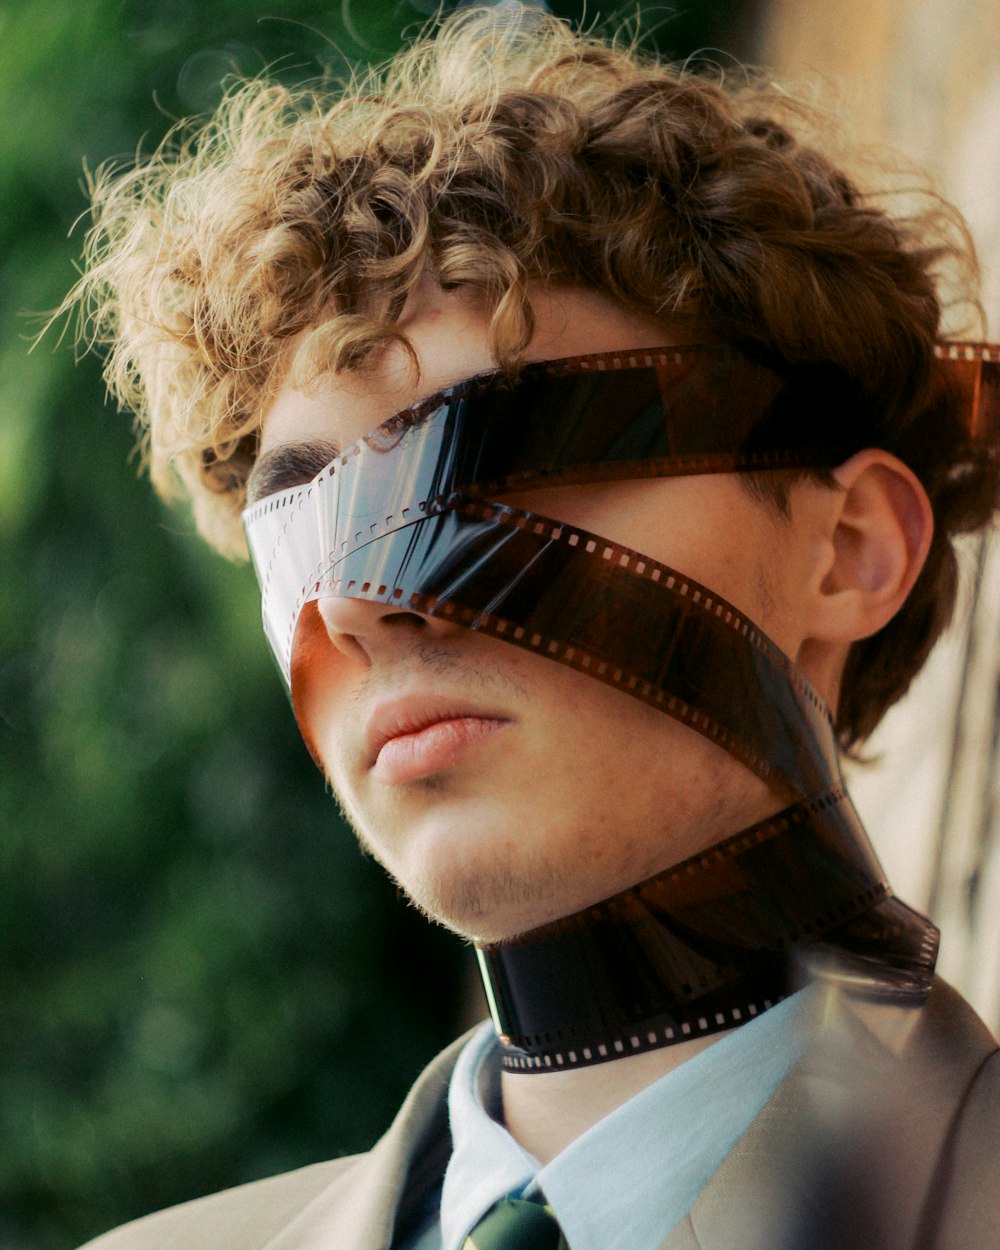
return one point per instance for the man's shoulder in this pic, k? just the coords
(954, 1029)
(247, 1216)
(964, 1204)
(894, 1112)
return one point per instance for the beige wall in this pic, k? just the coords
(923, 76)
(920, 75)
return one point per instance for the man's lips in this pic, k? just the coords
(419, 736)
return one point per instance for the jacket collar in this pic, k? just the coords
(915, 1063)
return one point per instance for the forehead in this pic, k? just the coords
(341, 408)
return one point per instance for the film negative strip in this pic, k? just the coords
(586, 419)
(607, 611)
(613, 416)
(705, 946)
(409, 516)
(973, 371)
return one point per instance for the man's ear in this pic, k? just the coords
(879, 530)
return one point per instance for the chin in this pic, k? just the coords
(485, 897)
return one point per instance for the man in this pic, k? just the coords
(592, 440)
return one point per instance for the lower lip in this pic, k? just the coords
(440, 746)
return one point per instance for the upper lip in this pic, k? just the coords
(412, 713)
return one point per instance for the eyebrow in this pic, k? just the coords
(291, 464)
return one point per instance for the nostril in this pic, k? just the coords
(402, 617)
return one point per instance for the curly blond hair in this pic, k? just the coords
(505, 151)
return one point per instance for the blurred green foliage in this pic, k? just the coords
(202, 980)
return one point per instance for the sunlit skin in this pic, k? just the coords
(539, 790)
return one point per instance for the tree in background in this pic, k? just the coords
(202, 980)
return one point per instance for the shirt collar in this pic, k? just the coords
(627, 1181)
(486, 1162)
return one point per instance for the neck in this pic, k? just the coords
(545, 1112)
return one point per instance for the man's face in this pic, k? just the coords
(501, 789)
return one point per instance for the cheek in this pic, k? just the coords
(704, 527)
(733, 545)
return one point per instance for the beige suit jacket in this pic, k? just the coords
(927, 1084)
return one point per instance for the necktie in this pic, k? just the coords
(514, 1224)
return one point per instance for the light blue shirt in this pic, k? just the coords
(627, 1181)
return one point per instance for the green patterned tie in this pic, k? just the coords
(514, 1224)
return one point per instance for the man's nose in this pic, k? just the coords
(365, 631)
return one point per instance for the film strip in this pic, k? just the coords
(611, 613)
(586, 419)
(705, 946)
(670, 412)
(635, 1040)
(409, 516)
(973, 371)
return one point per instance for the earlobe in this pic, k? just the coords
(880, 529)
